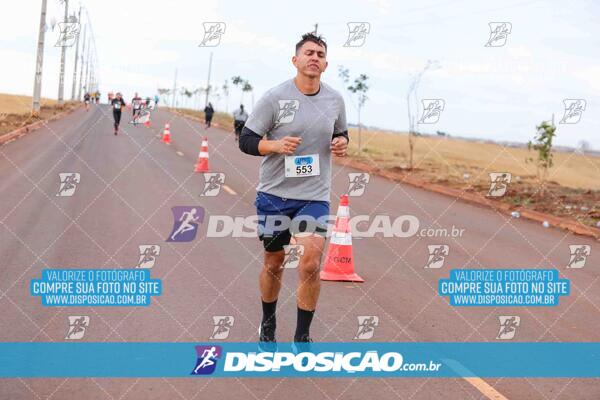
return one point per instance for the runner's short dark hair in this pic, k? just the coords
(311, 37)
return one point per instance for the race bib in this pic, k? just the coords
(299, 166)
(117, 106)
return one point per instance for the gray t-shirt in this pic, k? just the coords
(285, 111)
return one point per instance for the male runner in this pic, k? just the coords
(239, 119)
(117, 105)
(208, 115)
(296, 126)
(86, 100)
(136, 105)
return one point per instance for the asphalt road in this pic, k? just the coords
(130, 182)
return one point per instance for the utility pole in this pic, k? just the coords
(63, 53)
(174, 90)
(316, 28)
(87, 68)
(76, 58)
(37, 80)
(91, 75)
(81, 71)
(208, 80)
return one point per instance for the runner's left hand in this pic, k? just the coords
(339, 146)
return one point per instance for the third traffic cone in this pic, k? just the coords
(202, 165)
(166, 138)
(339, 263)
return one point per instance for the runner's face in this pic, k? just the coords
(311, 59)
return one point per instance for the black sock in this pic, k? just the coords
(303, 325)
(269, 312)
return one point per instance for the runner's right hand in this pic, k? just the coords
(288, 145)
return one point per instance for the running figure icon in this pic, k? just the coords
(185, 225)
(208, 357)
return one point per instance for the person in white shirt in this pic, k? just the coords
(239, 120)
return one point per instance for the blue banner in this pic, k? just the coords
(326, 360)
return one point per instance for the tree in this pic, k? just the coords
(197, 92)
(238, 81)
(584, 146)
(542, 143)
(243, 84)
(247, 87)
(187, 93)
(164, 92)
(225, 89)
(359, 88)
(412, 116)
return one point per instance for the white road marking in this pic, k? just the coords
(229, 190)
(485, 388)
(180, 153)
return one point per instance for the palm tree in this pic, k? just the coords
(225, 89)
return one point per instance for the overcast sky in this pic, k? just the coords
(495, 92)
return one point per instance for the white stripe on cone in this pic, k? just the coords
(342, 239)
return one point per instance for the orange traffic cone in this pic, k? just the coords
(202, 165)
(166, 138)
(339, 263)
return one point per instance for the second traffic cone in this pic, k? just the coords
(202, 165)
(339, 263)
(166, 137)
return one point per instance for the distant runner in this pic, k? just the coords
(86, 100)
(136, 104)
(239, 119)
(117, 105)
(296, 126)
(208, 114)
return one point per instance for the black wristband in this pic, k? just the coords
(249, 142)
(343, 134)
